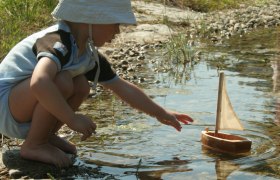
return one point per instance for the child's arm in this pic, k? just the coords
(44, 89)
(48, 95)
(136, 98)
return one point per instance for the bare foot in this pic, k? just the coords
(46, 153)
(63, 144)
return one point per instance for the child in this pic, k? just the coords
(44, 79)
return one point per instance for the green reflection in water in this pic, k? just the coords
(257, 55)
(124, 136)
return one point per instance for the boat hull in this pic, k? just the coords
(226, 143)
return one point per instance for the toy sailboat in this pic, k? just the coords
(226, 119)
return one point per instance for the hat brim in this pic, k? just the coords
(116, 12)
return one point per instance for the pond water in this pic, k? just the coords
(132, 145)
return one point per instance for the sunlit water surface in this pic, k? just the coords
(132, 145)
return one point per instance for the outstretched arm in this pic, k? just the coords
(137, 99)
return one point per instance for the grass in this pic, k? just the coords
(181, 57)
(180, 49)
(20, 18)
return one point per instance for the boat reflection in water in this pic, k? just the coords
(224, 165)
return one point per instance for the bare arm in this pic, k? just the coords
(49, 96)
(137, 99)
(46, 92)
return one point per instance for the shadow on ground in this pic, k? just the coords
(21, 168)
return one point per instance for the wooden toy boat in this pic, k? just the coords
(225, 119)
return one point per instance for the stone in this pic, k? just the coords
(19, 168)
(15, 173)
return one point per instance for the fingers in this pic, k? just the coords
(89, 131)
(177, 118)
(87, 134)
(84, 137)
(93, 127)
(176, 125)
(171, 121)
(184, 118)
(178, 128)
(86, 127)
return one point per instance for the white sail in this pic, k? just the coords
(228, 118)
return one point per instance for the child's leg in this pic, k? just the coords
(39, 144)
(81, 91)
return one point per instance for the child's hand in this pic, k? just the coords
(84, 125)
(173, 118)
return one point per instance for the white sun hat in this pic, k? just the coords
(95, 11)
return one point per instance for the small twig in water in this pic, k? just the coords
(138, 166)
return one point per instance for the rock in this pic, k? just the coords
(156, 12)
(154, 20)
(15, 173)
(19, 168)
(149, 33)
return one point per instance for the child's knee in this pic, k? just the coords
(64, 82)
(81, 86)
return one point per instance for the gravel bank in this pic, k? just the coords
(128, 52)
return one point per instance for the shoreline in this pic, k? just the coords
(153, 29)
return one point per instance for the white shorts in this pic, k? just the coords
(8, 126)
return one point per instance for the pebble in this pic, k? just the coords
(242, 20)
(15, 173)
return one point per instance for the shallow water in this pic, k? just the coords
(132, 145)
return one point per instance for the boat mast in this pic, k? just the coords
(219, 103)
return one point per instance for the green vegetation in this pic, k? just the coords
(181, 50)
(180, 47)
(50, 176)
(19, 18)
(212, 5)
(181, 57)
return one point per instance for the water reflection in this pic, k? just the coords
(225, 168)
(124, 137)
(224, 164)
(175, 165)
(276, 88)
(257, 55)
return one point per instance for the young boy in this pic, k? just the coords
(44, 79)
